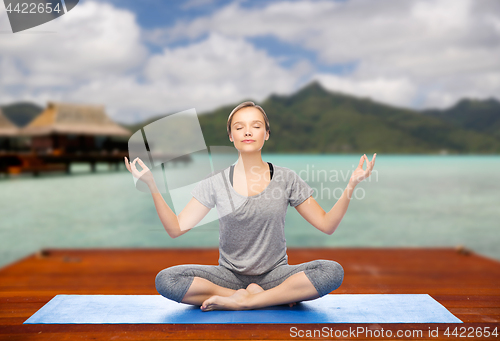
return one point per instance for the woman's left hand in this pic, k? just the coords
(359, 173)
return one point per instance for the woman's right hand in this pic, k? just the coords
(144, 175)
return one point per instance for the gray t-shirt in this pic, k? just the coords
(252, 229)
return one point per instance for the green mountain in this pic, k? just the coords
(21, 113)
(314, 120)
(481, 116)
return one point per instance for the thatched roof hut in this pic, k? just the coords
(7, 128)
(64, 118)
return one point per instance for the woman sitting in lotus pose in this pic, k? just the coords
(253, 270)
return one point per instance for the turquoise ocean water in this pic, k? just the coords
(409, 201)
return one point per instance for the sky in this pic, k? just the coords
(147, 58)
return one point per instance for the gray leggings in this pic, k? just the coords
(174, 282)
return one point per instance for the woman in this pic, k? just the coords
(253, 270)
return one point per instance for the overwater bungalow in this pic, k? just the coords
(61, 134)
(9, 134)
(64, 128)
(64, 133)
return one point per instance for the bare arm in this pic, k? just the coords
(175, 225)
(317, 217)
(328, 222)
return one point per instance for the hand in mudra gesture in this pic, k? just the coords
(359, 173)
(144, 175)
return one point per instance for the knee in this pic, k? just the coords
(336, 273)
(338, 270)
(164, 282)
(333, 273)
(172, 284)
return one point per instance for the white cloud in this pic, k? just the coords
(205, 75)
(96, 55)
(218, 60)
(398, 92)
(428, 44)
(484, 85)
(94, 39)
(407, 53)
(93, 47)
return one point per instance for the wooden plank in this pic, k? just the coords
(466, 284)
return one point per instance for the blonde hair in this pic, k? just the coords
(243, 105)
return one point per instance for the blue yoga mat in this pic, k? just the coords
(354, 308)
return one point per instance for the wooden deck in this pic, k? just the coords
(13, 163)
(467, 284)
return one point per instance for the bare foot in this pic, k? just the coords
(254, 288)
(237, 301)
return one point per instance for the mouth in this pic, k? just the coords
(248, 141)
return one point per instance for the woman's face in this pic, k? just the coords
(248, 124)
